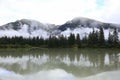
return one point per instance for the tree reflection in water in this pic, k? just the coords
(83, 62)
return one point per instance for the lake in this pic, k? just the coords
(60, 64)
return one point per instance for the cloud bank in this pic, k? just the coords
(59, 11)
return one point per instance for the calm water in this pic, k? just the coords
(60, 64)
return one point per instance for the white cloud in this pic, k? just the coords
(108, 13)
(58, 11)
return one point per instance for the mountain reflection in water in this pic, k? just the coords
(60, 64)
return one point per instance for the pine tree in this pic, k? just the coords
(101, 37)
(50, 42)
(96, 38)
(78, 41)
(85, 41)
(110, 39)
(93, 39)
(71, 40)
(63, 42)
(40, 41)
(115, 37)
(90, 40)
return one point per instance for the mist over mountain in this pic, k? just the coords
(32, 28)
(26, 28)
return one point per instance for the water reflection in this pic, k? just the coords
(81, 63)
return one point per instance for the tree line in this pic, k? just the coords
(94, 39)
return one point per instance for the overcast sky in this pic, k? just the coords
(59, 11)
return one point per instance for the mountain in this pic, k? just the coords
(32, 28)
(84, 26)
(26, 28)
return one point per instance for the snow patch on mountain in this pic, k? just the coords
(24, 32)
(40, 33)
(35, 25)
(81, 31)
